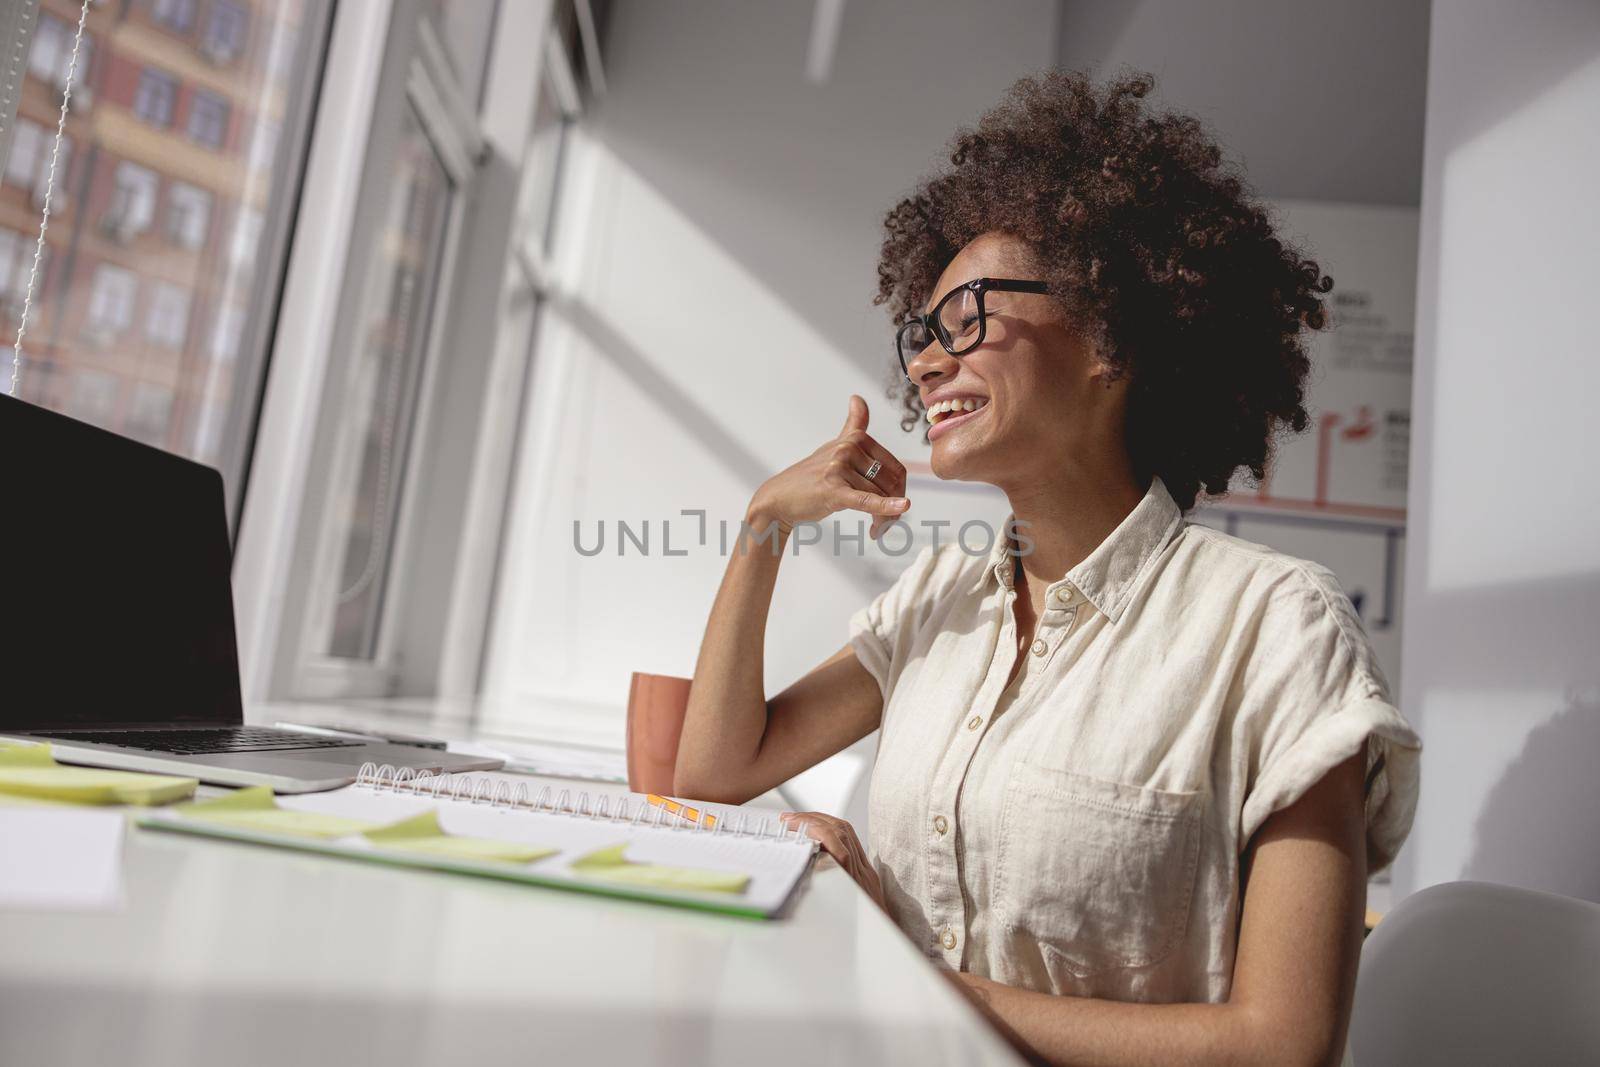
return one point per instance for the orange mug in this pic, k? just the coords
(656, 706)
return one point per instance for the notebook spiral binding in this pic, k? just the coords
(498, 793)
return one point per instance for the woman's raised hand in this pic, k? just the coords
(834, 478)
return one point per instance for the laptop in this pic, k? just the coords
(117, 640)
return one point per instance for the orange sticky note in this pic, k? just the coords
(692, 814)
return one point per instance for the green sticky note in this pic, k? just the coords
(422, 833)
(32, 771)
(255, 809)
(609, 864)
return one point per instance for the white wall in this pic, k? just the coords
(1502, 640)
(1319, 101)
(717, 247)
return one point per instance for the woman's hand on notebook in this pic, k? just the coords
(838, 839)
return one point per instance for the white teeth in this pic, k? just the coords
(947, 407)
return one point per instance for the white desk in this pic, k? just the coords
(238, 954)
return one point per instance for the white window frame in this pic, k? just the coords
(404, 74)
(284, 544)
(450, 125)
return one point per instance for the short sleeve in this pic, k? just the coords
(1314, 696)
(881, 633)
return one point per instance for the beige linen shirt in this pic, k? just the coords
(1080, 831)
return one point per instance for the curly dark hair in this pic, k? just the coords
(1152, 245)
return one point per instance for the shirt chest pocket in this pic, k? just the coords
(1100, 874)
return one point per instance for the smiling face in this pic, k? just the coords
(1030, 398)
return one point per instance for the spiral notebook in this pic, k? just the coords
(738, 863)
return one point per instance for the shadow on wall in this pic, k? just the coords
(790, 178)
(693, 417)
(1554, 775)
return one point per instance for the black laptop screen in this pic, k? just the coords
(115, 598)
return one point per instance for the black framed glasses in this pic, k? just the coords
(958, 321)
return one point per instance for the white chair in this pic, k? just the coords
(1470, 973)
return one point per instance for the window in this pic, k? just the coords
(43, 377)
(29, 163)
(94, 394)
(16, 263)
(168, 322)
(139, 166)
(12, 244)
(149, 412)
(225, 32)
(393, 336)
(111, 306)
(133, 202)
(28, 146)
(50, 58)
(175, 15)
(188, 215)
(208, 119)
(156, 98)
(49, 36)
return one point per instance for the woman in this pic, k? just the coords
(1133, 773)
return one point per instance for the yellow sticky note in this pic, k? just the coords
(422, 833)
(32, 771)
(255, 809)
(609, 864)
(14, 754)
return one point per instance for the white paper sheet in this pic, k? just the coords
(60, 858)
(555, 761)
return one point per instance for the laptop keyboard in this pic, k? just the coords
(212, 740)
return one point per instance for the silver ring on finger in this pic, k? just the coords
(872, 471)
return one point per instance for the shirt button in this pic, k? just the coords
(1039, 647)
(949, 938)
(1064, 595)
(975, 722)
(940, 824)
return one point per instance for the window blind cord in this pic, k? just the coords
(49, 190)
